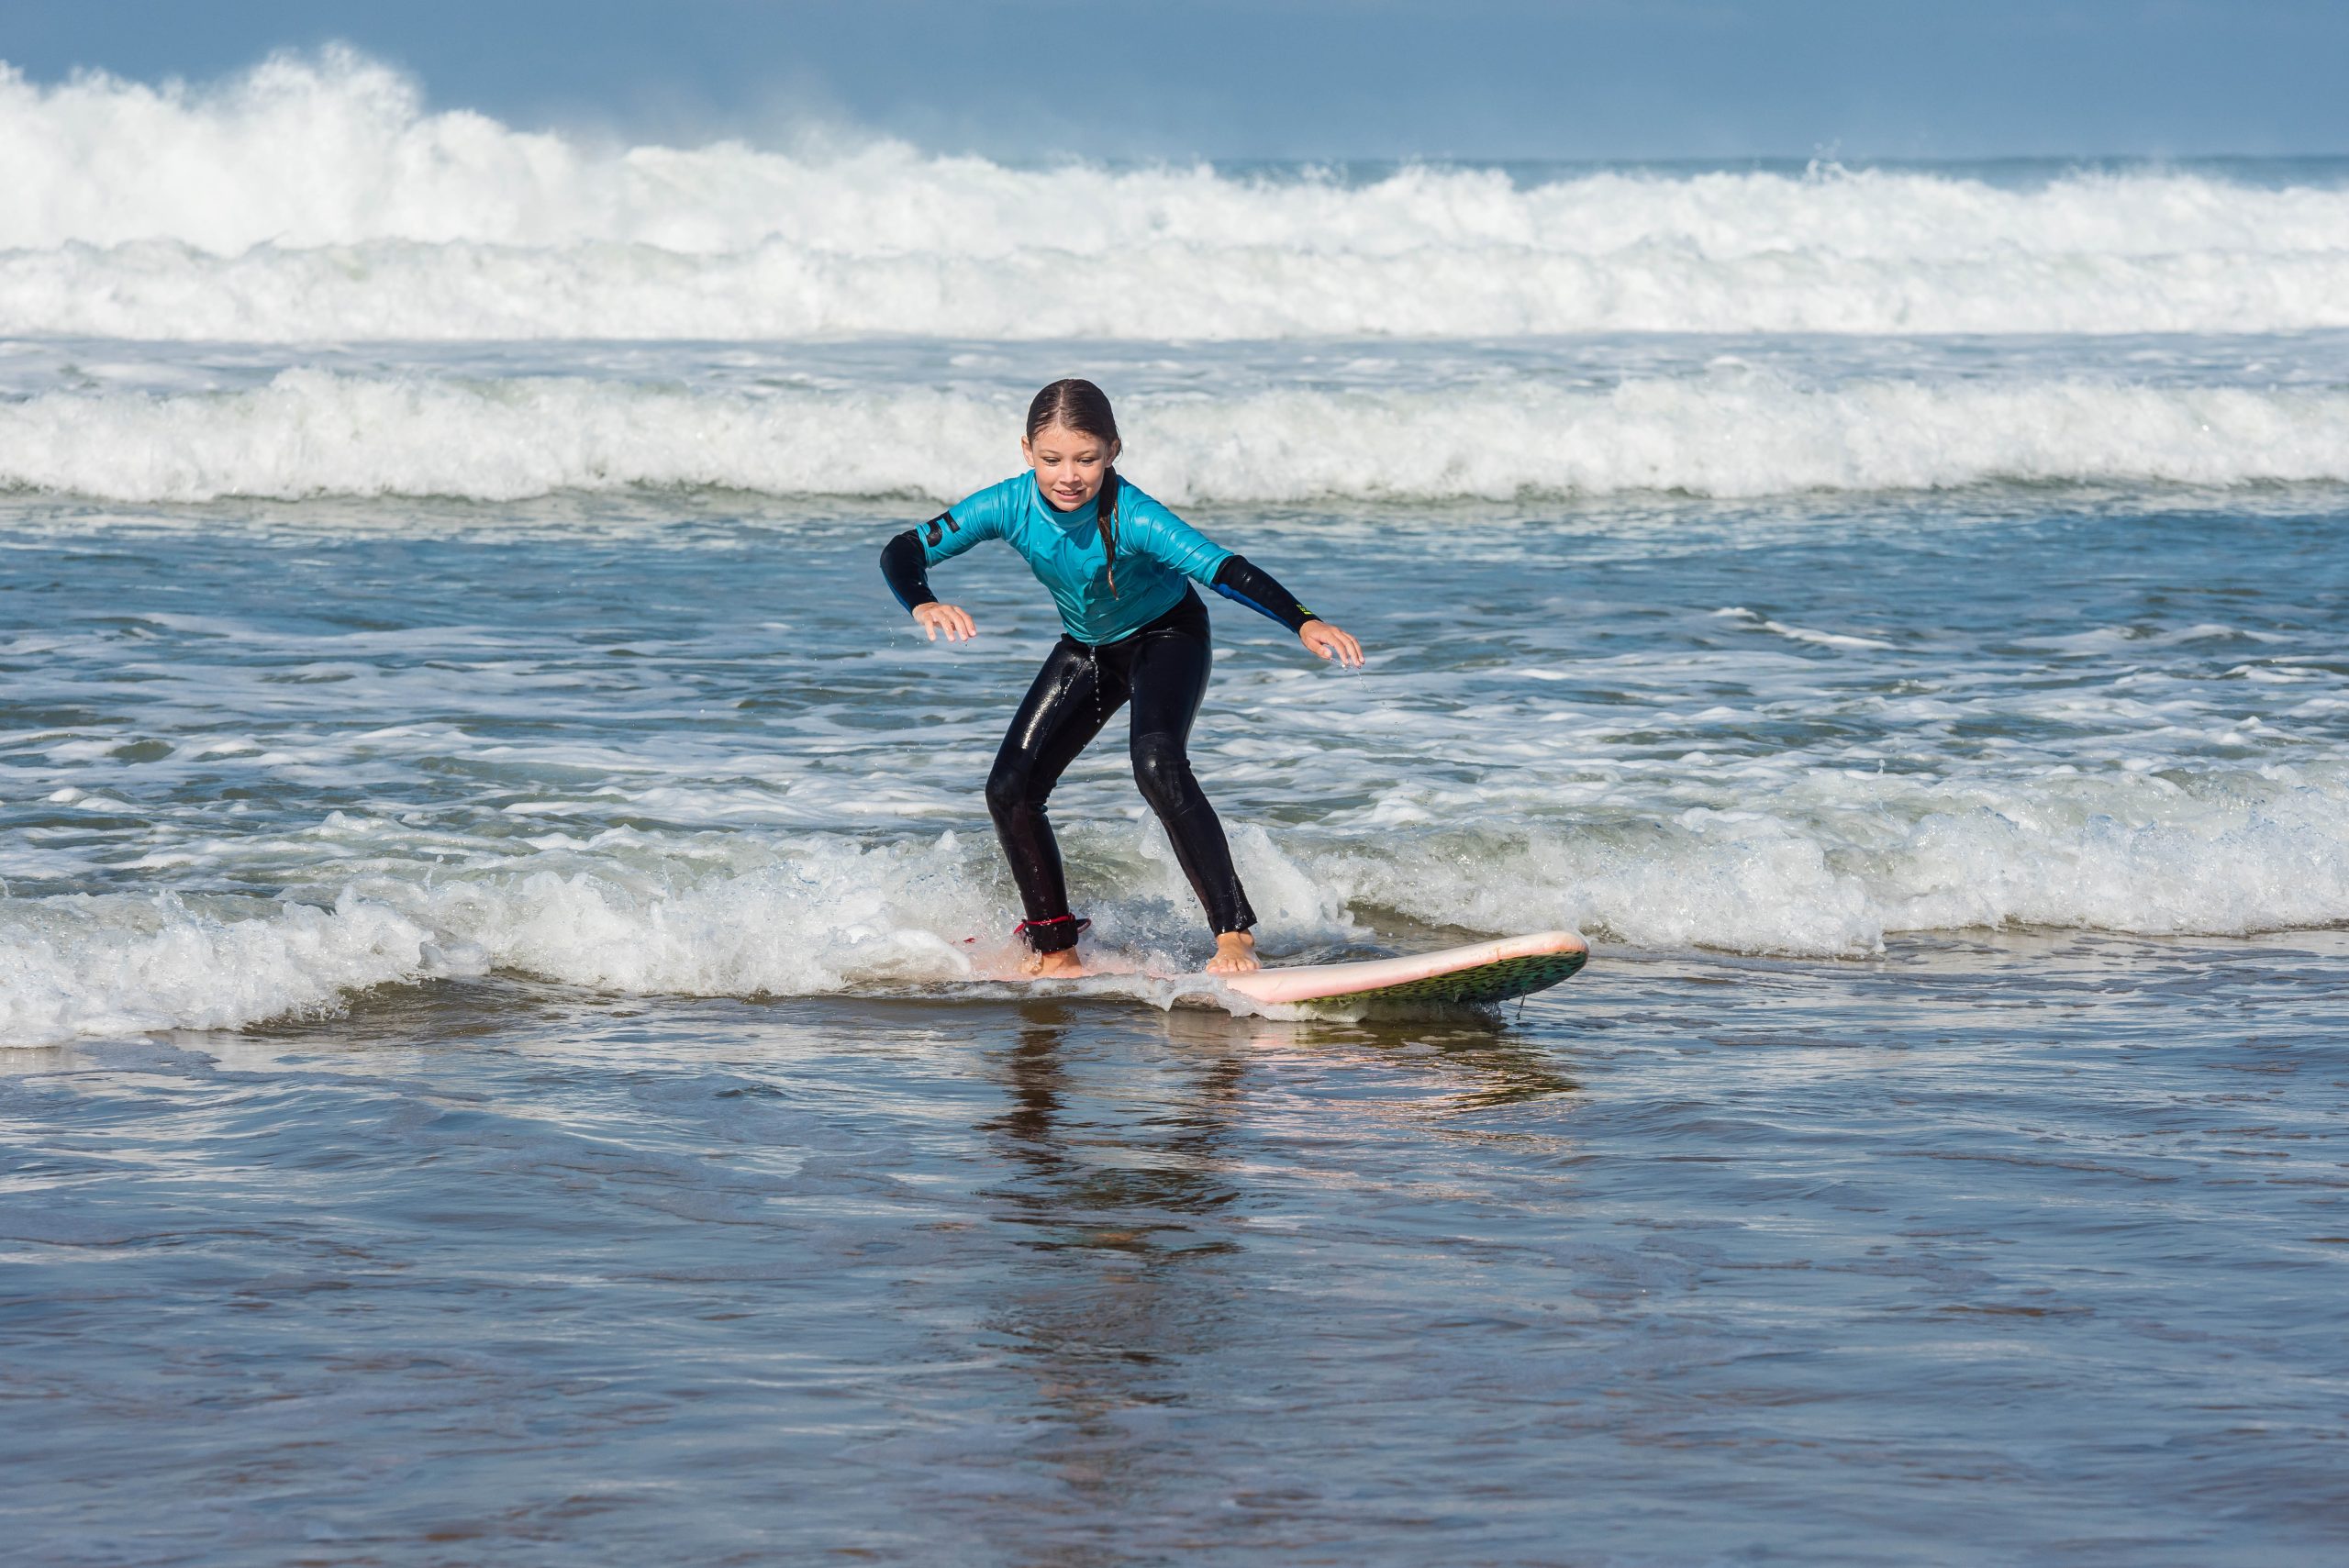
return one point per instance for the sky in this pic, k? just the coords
(1326, 79)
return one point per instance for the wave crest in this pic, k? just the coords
(1838, 865)
(316, 199)
(316, 433)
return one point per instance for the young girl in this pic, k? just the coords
(1115, 562)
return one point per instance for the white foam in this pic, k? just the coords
(311, 433)
(119, 964)
(707, 915)
(317, 199)
(1802, 634)
(1838, 863)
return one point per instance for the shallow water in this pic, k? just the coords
(2027, 1250)
(617, 1160)
(260, 758)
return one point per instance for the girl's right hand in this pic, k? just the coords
(951, 621)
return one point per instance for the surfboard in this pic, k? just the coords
(1479, 973)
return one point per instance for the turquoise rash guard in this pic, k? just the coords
(1156, 552)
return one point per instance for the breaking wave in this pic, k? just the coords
(313, 433)
(318, 198)
(1837, 866)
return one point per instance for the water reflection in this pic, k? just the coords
(1129, 1167)
(1151, 1237)
(1471, 1061)
(1118, 1171)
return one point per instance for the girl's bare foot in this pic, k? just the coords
(1235, 954)
(1061, 966)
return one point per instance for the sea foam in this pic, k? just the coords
(312, 433)
(318, 198)
(1839, 864)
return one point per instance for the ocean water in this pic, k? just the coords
(496, 909)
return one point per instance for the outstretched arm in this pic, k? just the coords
(1242, 582)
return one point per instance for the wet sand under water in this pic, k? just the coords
(2025, 1249)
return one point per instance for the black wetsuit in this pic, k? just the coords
(1162, 670)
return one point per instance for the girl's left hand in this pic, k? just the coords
(1319, 636)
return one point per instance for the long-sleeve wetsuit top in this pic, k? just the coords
(1155, 551)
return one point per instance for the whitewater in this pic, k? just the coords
(318, 199)
(313, 433)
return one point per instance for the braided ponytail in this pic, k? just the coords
(1081, 406)
(1108, 513)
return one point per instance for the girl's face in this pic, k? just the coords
(1068, 463)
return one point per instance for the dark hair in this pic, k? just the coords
(1084, 408)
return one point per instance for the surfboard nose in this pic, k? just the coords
(1485, 972)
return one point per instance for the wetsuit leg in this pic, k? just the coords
(1073, 697)
(1169, 677)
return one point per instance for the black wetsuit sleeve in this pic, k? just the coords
(1253, 586)
(902, 566)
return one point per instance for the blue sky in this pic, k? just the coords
(1317, 78)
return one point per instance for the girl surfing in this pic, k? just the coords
(1120, 568)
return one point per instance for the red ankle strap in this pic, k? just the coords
(1025, 927)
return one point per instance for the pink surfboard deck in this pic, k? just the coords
(1496, 970)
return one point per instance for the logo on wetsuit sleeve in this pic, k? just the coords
(934, 533)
